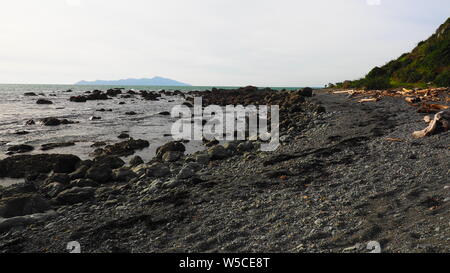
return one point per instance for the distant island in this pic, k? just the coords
(155, 81)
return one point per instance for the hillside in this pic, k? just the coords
(156, 81)
(428, 63)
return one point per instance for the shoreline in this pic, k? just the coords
(334, 184)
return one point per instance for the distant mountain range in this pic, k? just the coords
(155, 81)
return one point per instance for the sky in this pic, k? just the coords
(279, 43)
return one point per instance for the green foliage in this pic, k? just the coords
(443, 79)
(429, 62)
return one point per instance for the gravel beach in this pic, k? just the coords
(347, 173)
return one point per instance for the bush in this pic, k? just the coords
(443, 79)
(377, 83)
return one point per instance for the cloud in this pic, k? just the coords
(208, 42)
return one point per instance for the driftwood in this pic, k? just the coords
(440, 123)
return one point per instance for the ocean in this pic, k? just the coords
(16, 109)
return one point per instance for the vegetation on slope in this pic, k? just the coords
(427, 64)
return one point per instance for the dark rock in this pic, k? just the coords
(137, 160)
(158, 170)
(59, 178)
(218, 152)
(113, 162)
(18, 149)
(123, 135)
(165, 113)
(125, 148)
(50, 146)
(173, 146)
(75, 195)
(54, 121)
(113, 92)
(23, 204)
(171, 156)
(30, 94)
(95, 118)
(99, 144)
(79, 173)
(131, 113)
(44, 101)
(101, 174)
(306, 92)
(22, 165)
(84, 183)
(30, 122)
(21, 133)
(78, 99)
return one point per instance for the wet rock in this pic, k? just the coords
(23, 204)
(173, 146)
(8, 223)
(54, 121)
(123, 135)
(123, 174)
(165, 113)
(43, 101)
(79, 173)
(78, 99)
(30, 94)
(53, 189)
(202, 158)
(22, 165)
(306, 92)
(186, 172)
(111, 161)
(131, 113)
(30, 122)
(59, 178)
(102, 174)
(21, 133)
(18, 149)
(171, 156)
(137, 160)
(245, 146)
(125, 148)
(75, 195)
(51, 146)
(157, 170)
(113, 92)
(82, 182)
(218, 152)
(99, 144)
(95, 118)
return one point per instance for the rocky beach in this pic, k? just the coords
(349, 171)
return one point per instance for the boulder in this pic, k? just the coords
(18, 149)
(306, 92)
(218, 152)
(78, 99)
(173, 146)
(137, 160)
(171, 156)
(51, 146)
(30, 94)
(101, 174)
(111, 161)
(157, 170)
(84, 183)
(53, 189)
(123, 174)
(43, 101)
(123, 135)
(22, 165)
(125, 148)
(23, 204)
(75, 195)
(79, 173)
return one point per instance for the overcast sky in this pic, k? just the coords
(209, 42)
